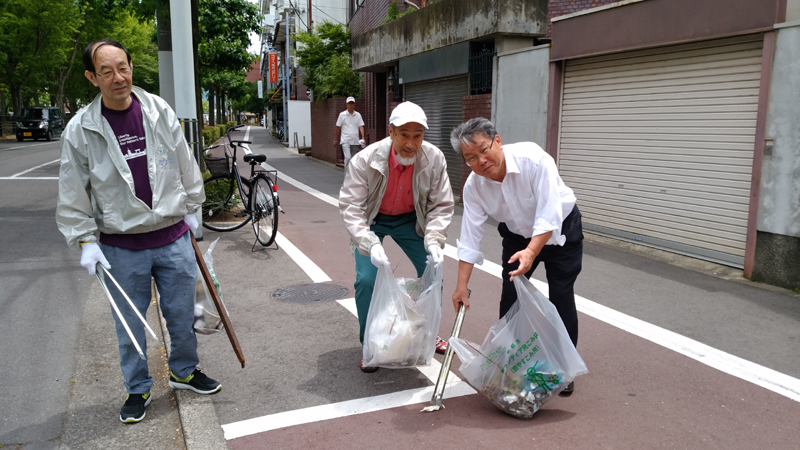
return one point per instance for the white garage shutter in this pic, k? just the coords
(658, 144)
(443, 103)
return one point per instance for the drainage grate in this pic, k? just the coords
(311, 293)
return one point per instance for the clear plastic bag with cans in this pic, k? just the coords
(206, 316)
(527, 357)
(403, 319)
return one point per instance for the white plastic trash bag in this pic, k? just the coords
(206, 316)
(403, 319)
(527, 357)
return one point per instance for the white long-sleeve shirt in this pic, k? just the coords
(531, 200)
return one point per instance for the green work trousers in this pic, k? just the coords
(402, 229)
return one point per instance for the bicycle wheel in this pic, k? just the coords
(223, 209)
(265, 210)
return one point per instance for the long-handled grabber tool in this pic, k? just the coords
(438, 390)
(116, 309)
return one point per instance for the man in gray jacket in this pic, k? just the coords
(129, 181)
(396, 187)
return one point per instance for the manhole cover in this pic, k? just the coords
(311, 293)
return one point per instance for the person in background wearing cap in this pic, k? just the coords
(350, 126)
(518, 186)
(396, 187)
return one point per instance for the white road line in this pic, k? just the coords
(341, 409)
(725, 362)
(16, 175)
(28, 178)
(23, 146)
(454, 388)
(303, 187)
(312, 270)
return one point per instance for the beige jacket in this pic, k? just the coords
(365, 184)
(95, 187)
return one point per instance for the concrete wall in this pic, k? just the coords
(778, 242)
(520, 95)
(300, 123)
(792, 10)
(444, 23)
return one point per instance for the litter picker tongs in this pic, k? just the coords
(438, 390)
(116, 309)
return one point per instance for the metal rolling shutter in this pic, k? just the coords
(442, 102)
(658, 144)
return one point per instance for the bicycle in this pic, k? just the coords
(232, 201)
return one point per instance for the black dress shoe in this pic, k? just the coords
(568, 390)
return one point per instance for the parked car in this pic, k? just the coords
(45, 122)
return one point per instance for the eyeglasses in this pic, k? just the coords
(472, 160)
(109, 73)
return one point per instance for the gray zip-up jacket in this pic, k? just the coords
(95, 185)
(365, 184)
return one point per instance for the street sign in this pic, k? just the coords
(273, 67)
(260, 89)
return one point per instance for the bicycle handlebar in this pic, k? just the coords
(241, 142)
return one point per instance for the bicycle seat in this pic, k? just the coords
(254, 158)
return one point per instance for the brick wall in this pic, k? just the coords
(323, 128)
(474, 106)
(561, 7)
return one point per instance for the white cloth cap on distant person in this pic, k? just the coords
(408, 112)
(350, 99)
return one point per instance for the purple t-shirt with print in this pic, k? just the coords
(128, 126)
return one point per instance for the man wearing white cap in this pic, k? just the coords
(396, 187)
(350, 126)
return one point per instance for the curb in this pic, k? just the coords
(201, 427)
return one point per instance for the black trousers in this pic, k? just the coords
(562, 265)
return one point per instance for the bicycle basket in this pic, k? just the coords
(218, 166)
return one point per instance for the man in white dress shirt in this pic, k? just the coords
(518, 185)
(349, 131)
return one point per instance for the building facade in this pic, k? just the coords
(675, 121)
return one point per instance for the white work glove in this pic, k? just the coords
(191, 220)
(378, 256)
(436, 253)
(91, 256)
(362, 143)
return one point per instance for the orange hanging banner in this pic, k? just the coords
(273, 67)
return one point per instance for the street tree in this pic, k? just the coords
(34, 36)
(325, 57)
(225, 27)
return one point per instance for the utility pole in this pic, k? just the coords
(183, 68)
(286, 72)
(309, 16)
(165, 76)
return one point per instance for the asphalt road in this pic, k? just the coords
(42, 294)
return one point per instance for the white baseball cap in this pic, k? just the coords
(350, 99)
(408, 112)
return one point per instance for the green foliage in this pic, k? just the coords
(394, 13)
(41, 45)
(224, 38)
(209, 135)
(232, 123)
(325, 57)
(34, 36)
(251, 102)
(222, 128)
